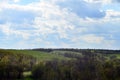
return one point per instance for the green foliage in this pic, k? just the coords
(90, 66)
(39, 55)
(13, 65)
(59, 64)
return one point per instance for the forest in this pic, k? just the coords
(59, 64)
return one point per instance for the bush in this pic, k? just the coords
(13, 65)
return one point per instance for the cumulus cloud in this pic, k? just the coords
(16, 0)
(103, 2)
(112, 14)
(9, 31)
(90, 38)
(83, 9)
(58, 23)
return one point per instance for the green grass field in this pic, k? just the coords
(41, 56)
(110, 55)
(45, 56)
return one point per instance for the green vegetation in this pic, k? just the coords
(13, 65)
(40, 55)
(60, 64)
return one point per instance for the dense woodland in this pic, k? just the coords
(78, 64)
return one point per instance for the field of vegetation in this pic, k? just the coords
(59, 64)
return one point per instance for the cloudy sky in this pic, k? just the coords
(60, 24)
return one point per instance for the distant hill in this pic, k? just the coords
(103, 51)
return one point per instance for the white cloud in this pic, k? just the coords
(99, 1)
(5, 28)
(16, 1)
(8, 31)
(90, 38)
(50, 16)
(92, 41)
(112, 13)
(51, 19)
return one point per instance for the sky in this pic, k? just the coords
(84, 24)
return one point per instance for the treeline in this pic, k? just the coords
(12, 65)
(102, 51)
(88, 67)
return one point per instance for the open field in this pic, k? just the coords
(53, 64)
(40, 55)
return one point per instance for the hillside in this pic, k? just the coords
(35, 64)
(63, 54)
